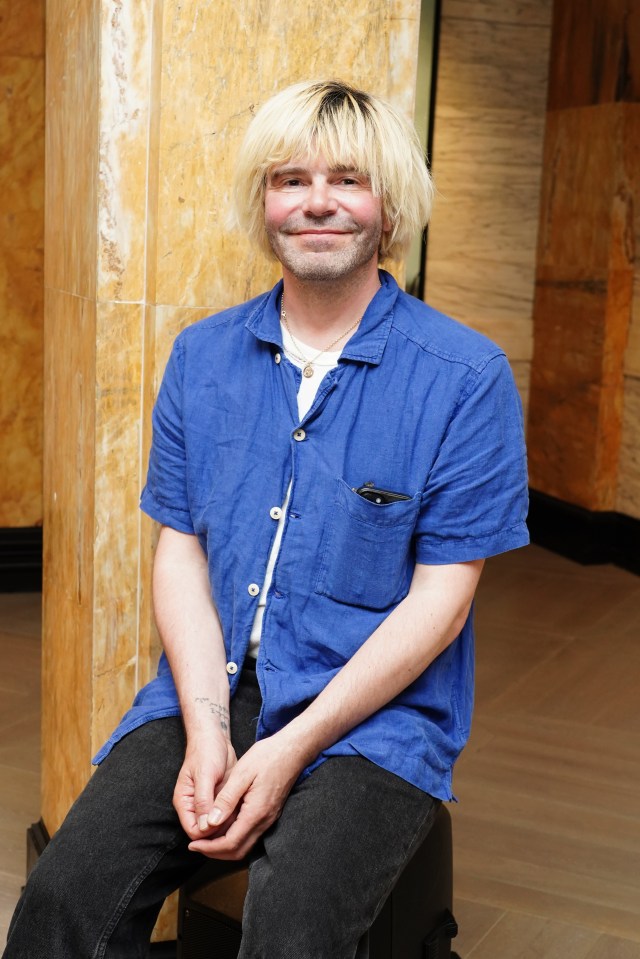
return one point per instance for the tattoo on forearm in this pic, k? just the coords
(216, 709)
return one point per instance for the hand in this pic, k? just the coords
(252, 798)
(206, 768)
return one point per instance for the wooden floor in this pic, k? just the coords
(19, 740)
(547, 831)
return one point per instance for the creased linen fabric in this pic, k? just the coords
(418, 404)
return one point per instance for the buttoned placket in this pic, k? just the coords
(290, 377)
(283, 370)
(299, 436)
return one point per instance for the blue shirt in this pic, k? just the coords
(418, 404)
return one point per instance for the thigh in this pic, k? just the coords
(113, 838)
(331, 860)
(100, 882)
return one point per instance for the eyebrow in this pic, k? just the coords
(287, 170)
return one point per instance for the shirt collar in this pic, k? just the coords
(366, 344)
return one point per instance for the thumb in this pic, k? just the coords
(230, 796)
(204, 788)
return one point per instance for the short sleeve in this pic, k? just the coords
(164, 496)
(475, 501)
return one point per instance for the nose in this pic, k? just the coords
(319, 199)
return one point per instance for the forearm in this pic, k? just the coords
(191, 634)
(403, 646)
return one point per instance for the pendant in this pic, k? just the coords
(307, 370)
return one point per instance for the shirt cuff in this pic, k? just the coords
(434, 552)
(178, 519)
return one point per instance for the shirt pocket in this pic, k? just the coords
(366, 550)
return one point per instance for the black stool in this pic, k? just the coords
(416, 921)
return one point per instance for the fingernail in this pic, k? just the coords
(203, 823)
(215, 816)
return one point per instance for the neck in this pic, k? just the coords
(318, 311)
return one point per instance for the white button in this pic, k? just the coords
(232, 668)
(253, 589)
(277, 357)
(299, 435)
(275, 512)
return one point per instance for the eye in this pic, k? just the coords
(353, 179)
(282, 180)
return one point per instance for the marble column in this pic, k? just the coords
(487, 163)
(146, 105)
(584, 418)
(21, 261)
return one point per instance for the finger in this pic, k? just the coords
(237, 841)
(193, 800)
(240, 835)
(228, 847)
(187, 818)
(183, 804)
(230, 796)
(204, 791)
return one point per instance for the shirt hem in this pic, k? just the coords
(438, 784)
(124, 730)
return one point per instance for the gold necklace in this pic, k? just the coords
(307, 369)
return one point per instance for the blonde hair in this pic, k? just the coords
(349, 128)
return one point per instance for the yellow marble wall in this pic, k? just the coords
(146, 105)
(487, 158)
(584, 426)
(21, 256)
(628, 493)
(584, 287)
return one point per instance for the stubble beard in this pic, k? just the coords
(329, 264)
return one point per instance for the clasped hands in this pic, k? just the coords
(225, 804)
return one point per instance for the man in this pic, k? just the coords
(331, 464)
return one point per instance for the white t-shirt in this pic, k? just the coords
(306, 395)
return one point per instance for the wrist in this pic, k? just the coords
(298, 743)
(204, 717)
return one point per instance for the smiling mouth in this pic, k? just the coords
(320, 233)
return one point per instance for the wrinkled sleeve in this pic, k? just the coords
(475, 501)
(165, 496)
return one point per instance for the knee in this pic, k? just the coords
(48, 890)
(45, 906)
(283, 917)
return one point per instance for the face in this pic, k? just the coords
(322, 223)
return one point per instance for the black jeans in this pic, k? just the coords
(317, 879)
